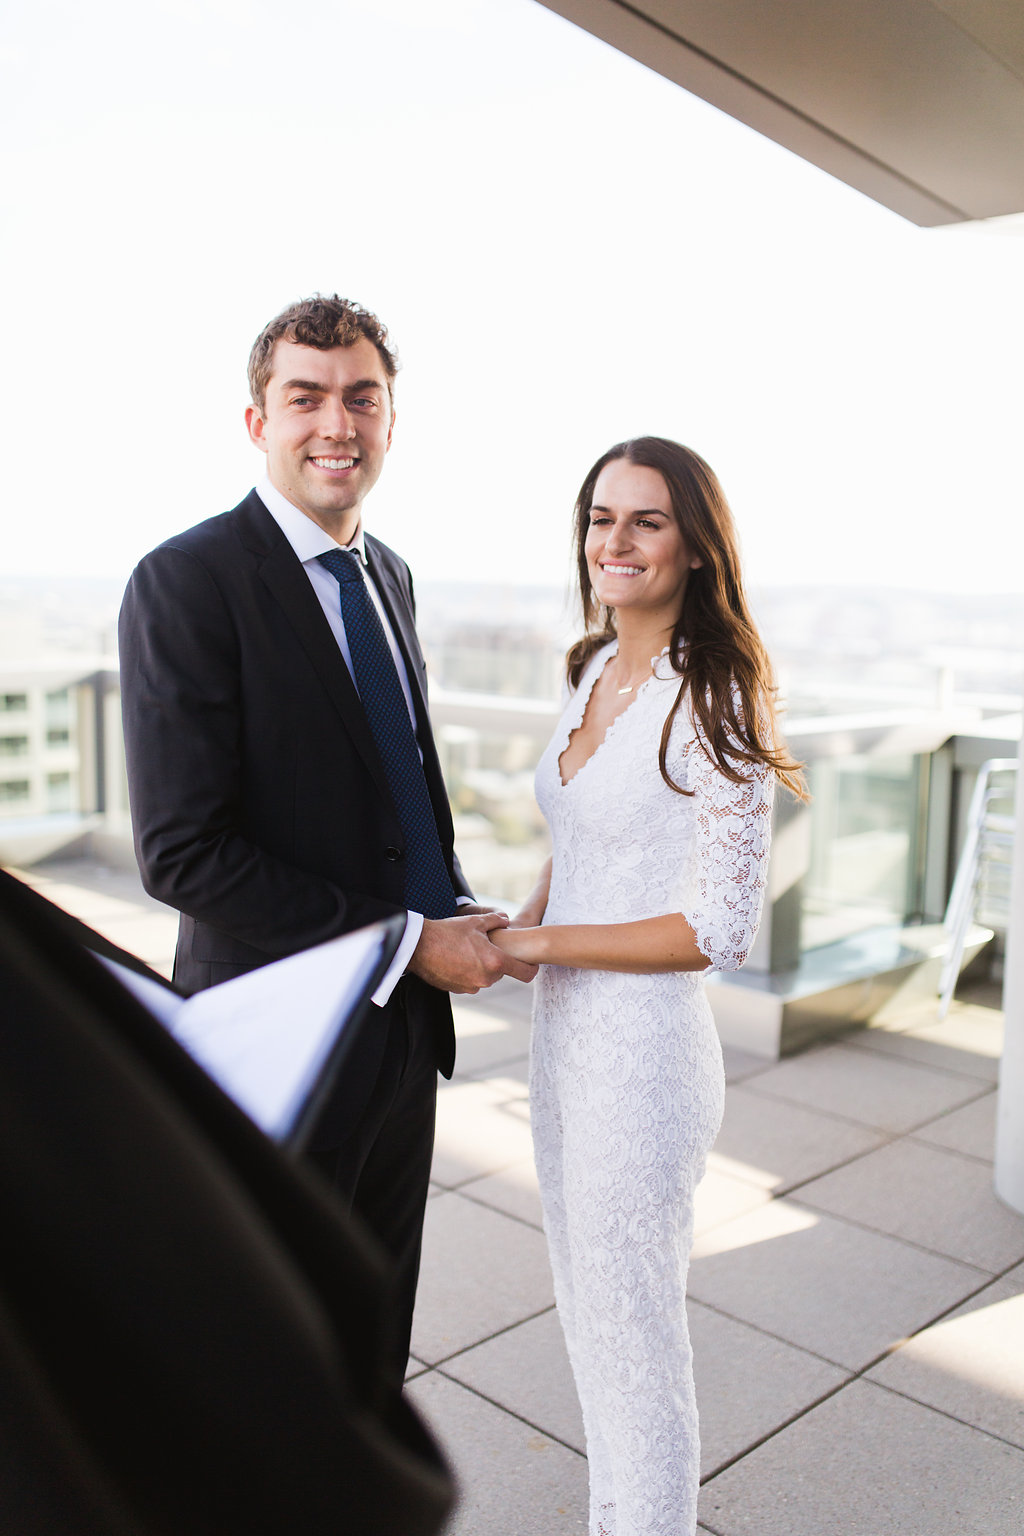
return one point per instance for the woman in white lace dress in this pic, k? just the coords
(657, 789)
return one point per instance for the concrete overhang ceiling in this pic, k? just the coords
(917, 103)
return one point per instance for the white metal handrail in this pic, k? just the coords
(987, 832)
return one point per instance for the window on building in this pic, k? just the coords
(59, 736)
(58, 707)
(13, 790)
(13, 703)
(58, 791)
(13, 746)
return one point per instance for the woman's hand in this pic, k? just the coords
(520, 943)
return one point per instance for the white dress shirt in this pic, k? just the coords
(309, 541)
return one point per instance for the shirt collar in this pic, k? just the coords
(306, 538)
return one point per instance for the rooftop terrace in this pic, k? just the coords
(856, 1290)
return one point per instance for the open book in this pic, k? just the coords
(275, 1038)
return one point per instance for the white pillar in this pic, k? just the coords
(1010, 1118)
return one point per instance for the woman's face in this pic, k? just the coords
(636, 555)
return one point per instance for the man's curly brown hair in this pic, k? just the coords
(324, 321)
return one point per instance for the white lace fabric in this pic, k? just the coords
(627, 1086)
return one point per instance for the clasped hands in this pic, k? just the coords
(456, 953)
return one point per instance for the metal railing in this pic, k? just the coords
(988, 845)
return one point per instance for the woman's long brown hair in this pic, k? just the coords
(715, 648)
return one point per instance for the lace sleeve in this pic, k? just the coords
(733, 835)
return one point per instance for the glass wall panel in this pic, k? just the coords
(863, 817)
(501, 837)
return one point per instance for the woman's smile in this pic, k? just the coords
(611, 569)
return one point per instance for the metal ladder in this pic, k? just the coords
(987, 846)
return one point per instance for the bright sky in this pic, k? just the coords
(568, 250)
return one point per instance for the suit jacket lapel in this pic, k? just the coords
(280, 571)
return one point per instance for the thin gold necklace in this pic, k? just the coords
(637, 683)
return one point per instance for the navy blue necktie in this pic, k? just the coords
(428, 886)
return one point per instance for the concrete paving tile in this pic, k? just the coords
(481, 1128)
(968, 1041)
(774, 1144)
(514, 1190)
(970, 1365)
(506, 995)
(89, 892)
(515, 1071)
(971, 1130)
(513, 1480)
(114, 903)
(866, 1086)
(117, 907)
(843, 1293)
(721, 1197)
(748, 1384)
(151, 937)
(488, 1037)
(102, 906)
(527, 1371)
(481, 1272)
(415, 1368)
(740, 1064)
(869, 1463)
(926, 1195)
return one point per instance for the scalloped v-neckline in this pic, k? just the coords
(609, 730)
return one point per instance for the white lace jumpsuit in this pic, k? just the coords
(627, 1086)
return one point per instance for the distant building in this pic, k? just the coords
(39, 752)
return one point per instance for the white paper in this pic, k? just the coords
(265, 1036)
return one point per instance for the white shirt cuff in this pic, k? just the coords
(404, 953)
(410, 938)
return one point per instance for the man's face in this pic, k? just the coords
(325, 429)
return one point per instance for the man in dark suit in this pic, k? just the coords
(192, 1335)
(272, 804)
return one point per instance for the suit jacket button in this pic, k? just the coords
(393, 854)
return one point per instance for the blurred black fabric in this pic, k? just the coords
(191, 1332)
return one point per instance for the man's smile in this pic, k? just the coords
(324, 463)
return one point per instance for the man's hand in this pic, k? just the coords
(455, 954)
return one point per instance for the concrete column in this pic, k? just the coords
(1010, 1118)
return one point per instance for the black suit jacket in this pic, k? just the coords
(193, 1338)
(259, 802)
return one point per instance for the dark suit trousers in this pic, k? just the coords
(381, 1167)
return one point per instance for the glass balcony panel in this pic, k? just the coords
(864, 812)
